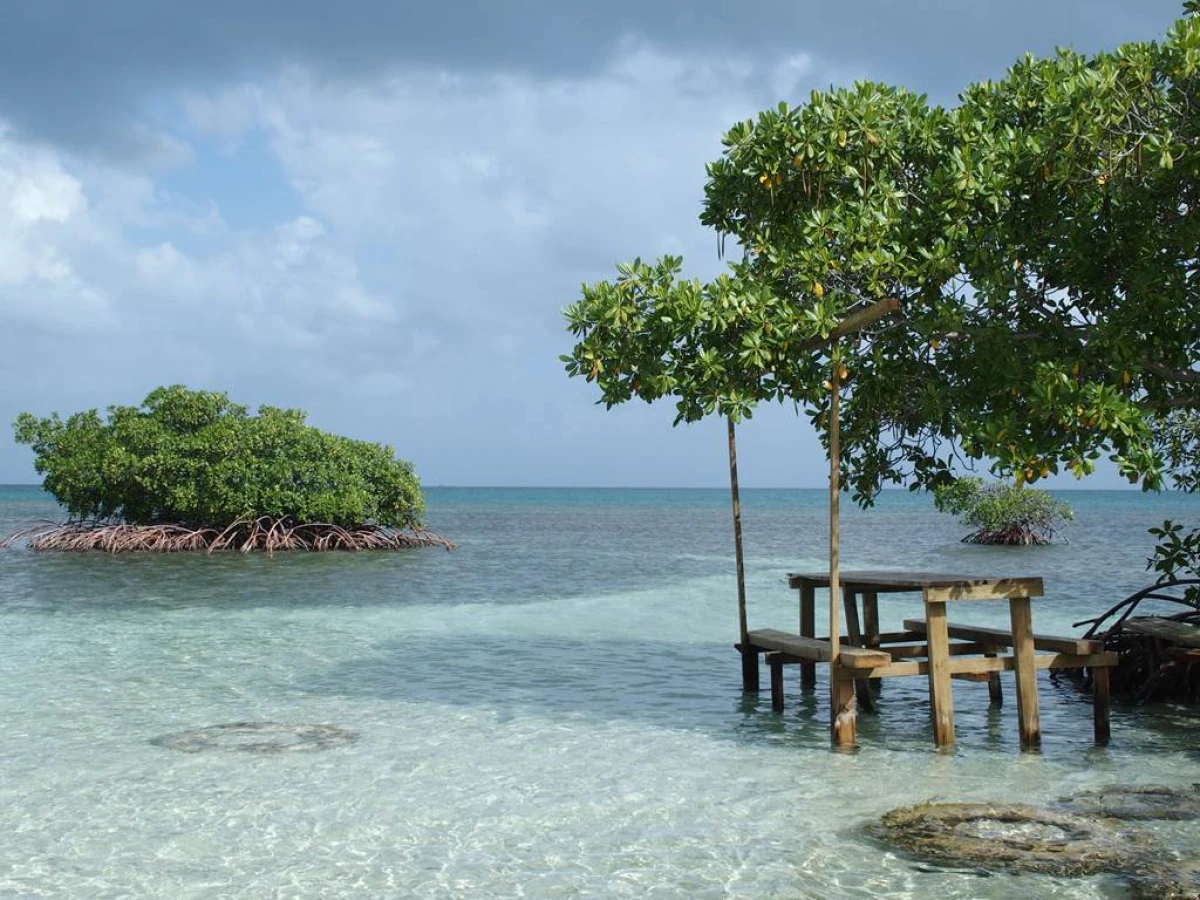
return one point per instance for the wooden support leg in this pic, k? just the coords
(776, 684)
(862, 690)
(1023, 666)
(843, 714)
(1101, 704)
(941, 701)
(870, 604)
(808, 628)
(749, 668)
(995, 691)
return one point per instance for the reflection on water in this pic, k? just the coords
(553, 710)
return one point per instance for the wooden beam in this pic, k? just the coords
(855, 322)
(871, 635)
(990, 589)
(994, 664)
(808, 628)
(1028, 715)
(862, 687)
(907, 651)
(1101, 705)
(941, 698)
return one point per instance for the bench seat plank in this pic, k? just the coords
(806, 648)
(1001, 638)
(1177, 632)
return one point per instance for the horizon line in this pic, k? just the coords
(685, 487)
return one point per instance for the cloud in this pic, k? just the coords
(437, 185)
(43, 215)
(84, 75)
(444, 222)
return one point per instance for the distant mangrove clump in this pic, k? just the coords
(1003, 513)
(191, 470)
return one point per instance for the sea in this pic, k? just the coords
(552, 710)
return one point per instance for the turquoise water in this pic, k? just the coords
(553, 710)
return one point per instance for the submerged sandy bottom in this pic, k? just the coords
(520, 732)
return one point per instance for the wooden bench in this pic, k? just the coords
(817, 650)
(783, 648)
(1058, 653)
(927, 648)
(1182, 633)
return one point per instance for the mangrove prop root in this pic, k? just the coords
(1012, 838)
(265, 534)
(1019, 536)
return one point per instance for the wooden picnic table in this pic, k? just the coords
(977, 652)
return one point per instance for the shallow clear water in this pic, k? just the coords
(553, 710)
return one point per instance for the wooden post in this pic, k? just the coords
(749, 654)
(871, 629)
(941, 700)
(1021, 616)
(842, 712)
(995, 691)
(776, 683)
(870, 602)
(1101, 704)
(808, 628)
(862, 689)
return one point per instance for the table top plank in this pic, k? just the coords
(949, 586)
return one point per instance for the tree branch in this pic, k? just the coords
(1184, 376)
(1172, 403)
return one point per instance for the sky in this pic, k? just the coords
(376, 211)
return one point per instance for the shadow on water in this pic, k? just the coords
(689, 686)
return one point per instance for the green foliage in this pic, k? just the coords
(195, 458)
(714, 347)
(1177, 554)
(1041, 238)
(1002, 513)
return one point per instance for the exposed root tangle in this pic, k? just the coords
(264, 534)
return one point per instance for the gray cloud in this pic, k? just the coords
(84, 74)
(455, 175)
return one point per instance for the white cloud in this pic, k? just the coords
(445, 221)
(42, 213)
(789, 73)
(496, 195)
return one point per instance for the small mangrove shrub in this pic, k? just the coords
(1002, 513)
(191, 470)
(1177, 556)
